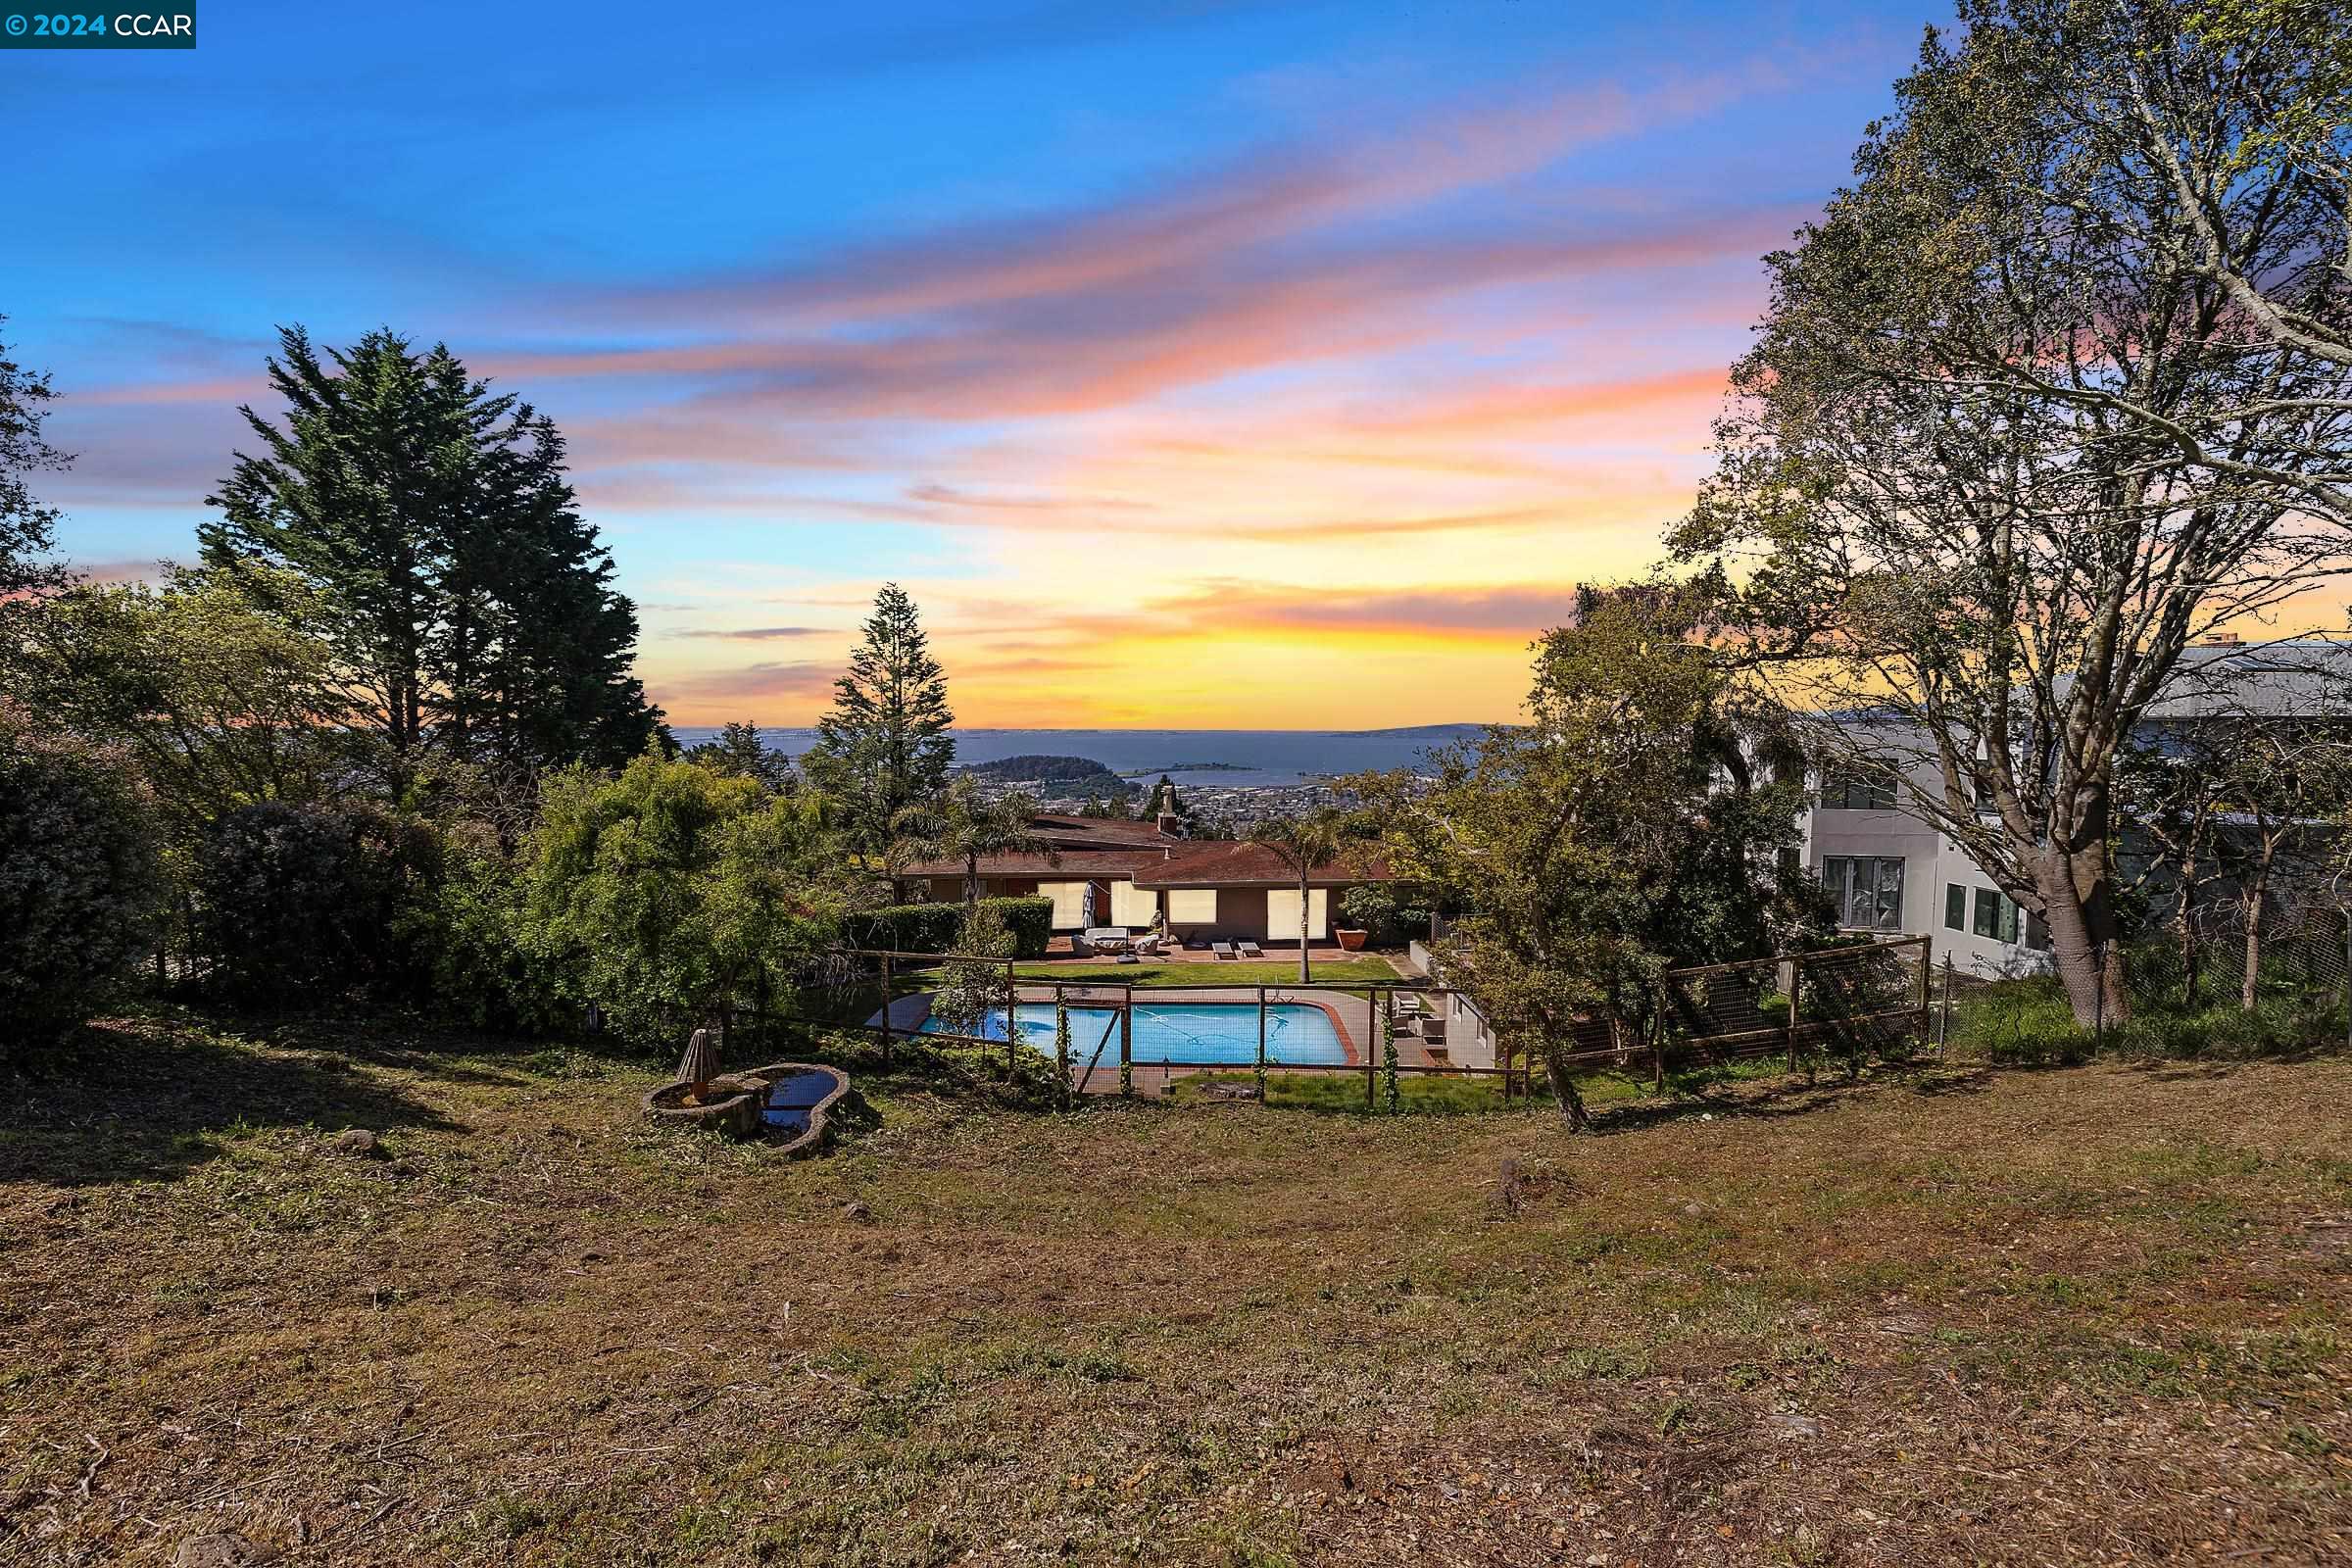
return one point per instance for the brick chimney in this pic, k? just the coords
(1168, 826)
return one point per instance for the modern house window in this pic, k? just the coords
(1955, 906)
(1282, 915)
(1131, 907)
(1192, 906)
(1868, 890)
(1069, 904)
(1849, 791)
(1997, 915)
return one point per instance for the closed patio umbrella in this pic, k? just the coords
(700, 1065)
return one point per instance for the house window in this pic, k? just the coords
(1191, 907)
(1849, 791)
(1069, 904)
(1868, 890)
(1997, 915)
(2037, 932)
(1955, 906)
(1282, 915)
(1130, 907)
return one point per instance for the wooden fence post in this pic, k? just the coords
(1127, 1045)
(886, 1001)
(1012, 1024)
(1061, 1045)
(1261, 1044)
(1796, 986)
(1944, 1025)
(1926, 950)
(1658, 1050)
(1388, 1048)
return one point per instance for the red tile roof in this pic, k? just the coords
(1101, 832)
(1167, 864)
(1225, 865)
(1074, 863)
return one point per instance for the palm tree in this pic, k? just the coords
(1305, 843)
(962, 825)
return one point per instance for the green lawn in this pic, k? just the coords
(1272, 972)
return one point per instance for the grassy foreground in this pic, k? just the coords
(2090, 1315)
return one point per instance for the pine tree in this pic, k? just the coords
(885, 746)
(468, 601)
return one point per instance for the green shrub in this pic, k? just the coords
(304, 904)
(2029, 1023)
(672, 894)
(468, 929)
(2020, 1023)
(1029, 919)
(79, 881)
(935, 927)
(2226, 1029)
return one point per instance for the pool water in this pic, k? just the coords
(1189, 1032)
(792, 1098)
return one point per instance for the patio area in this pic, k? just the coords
(1063, 950)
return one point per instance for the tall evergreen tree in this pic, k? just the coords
(28, 529)
(469, 604)
(885, 746)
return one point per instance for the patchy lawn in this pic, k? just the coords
(2091, 1315)
(1235, 972)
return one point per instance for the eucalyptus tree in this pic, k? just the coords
(2004, 448)
(2233, 102)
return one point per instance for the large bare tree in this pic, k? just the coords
(2006, 446)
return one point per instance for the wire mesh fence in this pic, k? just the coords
(1090, 1034)
(2294, 950)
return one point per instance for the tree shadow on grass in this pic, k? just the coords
(2185, 1070)
(151, 1100)
(1754, 1100)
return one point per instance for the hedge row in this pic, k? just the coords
(932, 927)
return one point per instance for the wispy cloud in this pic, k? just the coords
(758, 634)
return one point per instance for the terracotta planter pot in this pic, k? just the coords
(1352, 941)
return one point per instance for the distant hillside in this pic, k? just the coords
(1071, 774)
(1415, 732)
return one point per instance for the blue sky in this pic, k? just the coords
(1154, 346)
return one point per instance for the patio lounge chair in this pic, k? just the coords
(1250, 949)
(1221, 950)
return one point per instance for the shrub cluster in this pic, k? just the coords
(935, 927)
(79, 876)
(2029, 1024)
(306, 900)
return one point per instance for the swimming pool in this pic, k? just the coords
(1182, 1031)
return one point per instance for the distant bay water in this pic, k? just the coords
(1270, 757)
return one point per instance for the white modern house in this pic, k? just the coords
(1892, 873)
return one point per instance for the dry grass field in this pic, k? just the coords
(1943, 1316)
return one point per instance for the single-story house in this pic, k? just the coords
(1106, 873)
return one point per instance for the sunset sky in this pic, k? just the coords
(1193, 364)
